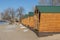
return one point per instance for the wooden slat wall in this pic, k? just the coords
(29, 21)
(49, 22)
(25, 21)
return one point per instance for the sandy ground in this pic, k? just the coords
(13, 32)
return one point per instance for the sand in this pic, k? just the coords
(13, 32)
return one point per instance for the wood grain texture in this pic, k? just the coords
(50, 22)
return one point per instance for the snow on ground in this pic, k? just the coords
(21, 26)
(25, 29)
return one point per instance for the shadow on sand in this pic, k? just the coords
(44, 34)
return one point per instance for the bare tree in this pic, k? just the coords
(56, 2)
(45, 2)
(20, 12)
(12, 14)
(6, 15)
(2, 15)
(9, 15)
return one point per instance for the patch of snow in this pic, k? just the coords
(21, 26)
(25, 30)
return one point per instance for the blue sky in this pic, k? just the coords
(27, 4)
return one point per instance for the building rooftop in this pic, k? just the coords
(53, 9)
(31, 13)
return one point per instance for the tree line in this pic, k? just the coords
(12, 15)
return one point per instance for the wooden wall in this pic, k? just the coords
(49, 22)
(29, 21)
(25, 21)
